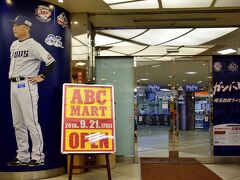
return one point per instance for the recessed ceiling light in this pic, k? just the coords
(51, 6)
(144, 79)
(226, 51)
(9, 2)
(60, 1)
(80, 64)
(191, 72)
(75, 22)
(149, 4)
(154, 66)
(204, 64)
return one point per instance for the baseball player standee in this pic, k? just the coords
(26, 56)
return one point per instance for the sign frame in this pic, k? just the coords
(112, 119)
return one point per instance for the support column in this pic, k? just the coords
(91, 70)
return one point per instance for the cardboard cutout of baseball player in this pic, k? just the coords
(26, 57)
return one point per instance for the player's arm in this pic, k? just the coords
(43, 75)
(41, 54)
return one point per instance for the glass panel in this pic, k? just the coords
(152, 107)
(118, 71)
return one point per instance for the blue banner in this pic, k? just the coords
(49, 30)
(226, 105)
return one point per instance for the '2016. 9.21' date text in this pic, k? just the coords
(91, 124)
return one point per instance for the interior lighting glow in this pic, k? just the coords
(227, 3)
(80, 64)
(196, 37)
(190, 72)
(115, 1)
(186, 3)
(144, 79)
(154, 66)
(60, 1)
(9, 2)
(149, 4)
(226, 51)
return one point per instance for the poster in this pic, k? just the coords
(49, 26)
(88, 123)
(226, 105)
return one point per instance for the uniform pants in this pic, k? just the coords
(24, 106)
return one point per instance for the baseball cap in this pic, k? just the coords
(22, 20)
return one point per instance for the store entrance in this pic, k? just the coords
(173, 91)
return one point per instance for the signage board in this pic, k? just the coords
(191, 87)
(226, 105)
(88, 123)
(153, 87)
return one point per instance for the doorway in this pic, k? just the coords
(186, 83)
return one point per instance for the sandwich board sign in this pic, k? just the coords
(88, 122)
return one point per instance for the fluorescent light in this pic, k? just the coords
(124, 33)
(158, 36)
(154, 66)
(149, 4)
(186, 3)
(165, 90)
(115, 1)
(226, 51)
(101, 40)
(191, 72)
(196, 37)
(144, 79)
(80, 64)
(227, 3)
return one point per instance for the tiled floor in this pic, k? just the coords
(153, 142)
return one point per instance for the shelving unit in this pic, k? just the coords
(199, 118)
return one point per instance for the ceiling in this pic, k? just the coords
(191, 57)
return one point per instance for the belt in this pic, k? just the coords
(17, 79)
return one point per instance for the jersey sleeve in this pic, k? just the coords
(42, 54)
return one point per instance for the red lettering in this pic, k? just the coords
(103, 109)
(74, 140)
(89, 97)
(75, 110)
(94, 110)
(85, 111)
(83, 139)
(76, 99)
(104, 142)
(93, 145)
(98, 97)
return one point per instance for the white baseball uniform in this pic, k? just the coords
(26, 57)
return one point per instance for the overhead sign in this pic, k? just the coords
(88, 119)
(153, 87)
(191, 87)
